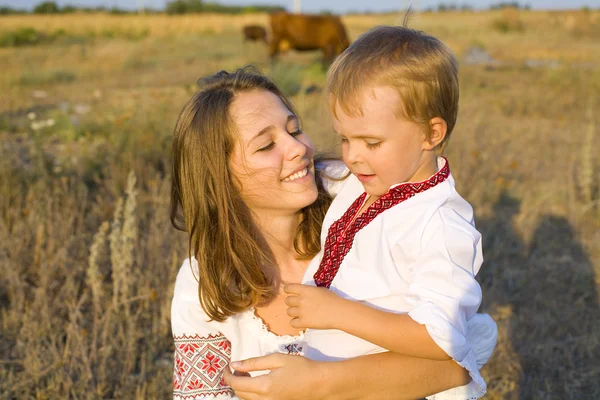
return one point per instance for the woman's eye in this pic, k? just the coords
(343, 140)
(296, 133)
(267, 147)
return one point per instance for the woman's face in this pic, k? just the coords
(273, 158)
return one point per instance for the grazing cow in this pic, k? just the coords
(255, 33)
(304, 32)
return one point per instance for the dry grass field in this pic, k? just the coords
(87, 254)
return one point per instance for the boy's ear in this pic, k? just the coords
(437, 133)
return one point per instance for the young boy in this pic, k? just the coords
(400, 241)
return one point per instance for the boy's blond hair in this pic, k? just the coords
(419, 67)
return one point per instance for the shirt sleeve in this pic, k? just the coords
(202, 352)
(482, 333)
(443, 292)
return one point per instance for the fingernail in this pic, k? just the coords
(235, 364)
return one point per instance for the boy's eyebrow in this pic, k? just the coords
(269, 128)
(366, 137)
(362, 136)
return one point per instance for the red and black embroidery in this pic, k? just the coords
(341, 233)
(294, 349)
(199, 362)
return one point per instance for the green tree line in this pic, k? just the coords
(172, 7)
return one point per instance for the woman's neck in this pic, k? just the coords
(279, 231)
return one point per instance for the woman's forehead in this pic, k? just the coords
(256, 104)
(252, 110)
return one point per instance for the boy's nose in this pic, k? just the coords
(351, 156)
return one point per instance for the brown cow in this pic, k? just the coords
(255, 33)
(305, 32)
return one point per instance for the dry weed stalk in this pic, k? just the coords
(129, 237)
(587, 169)
(94, 278)
(123, 241)
(115, 252)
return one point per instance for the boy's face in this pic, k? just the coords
(380, 147)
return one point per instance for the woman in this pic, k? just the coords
(246, 190)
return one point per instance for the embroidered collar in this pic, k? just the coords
(341, 233)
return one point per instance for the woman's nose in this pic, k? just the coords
(296, 148)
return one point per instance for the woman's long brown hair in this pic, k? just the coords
(235, 264)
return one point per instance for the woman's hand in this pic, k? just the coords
(372, 377)
(290, 378)
(314, 307)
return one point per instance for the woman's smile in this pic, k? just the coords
(298, 175)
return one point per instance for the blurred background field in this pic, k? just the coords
(87, 254)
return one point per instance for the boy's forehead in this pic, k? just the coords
(371, 103)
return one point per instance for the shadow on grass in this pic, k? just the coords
(550, 288)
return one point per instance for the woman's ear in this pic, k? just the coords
(437, 133)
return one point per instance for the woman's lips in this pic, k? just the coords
(297, 176)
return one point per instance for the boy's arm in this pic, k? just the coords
(443, 292)
(395, 332)
(320, 308)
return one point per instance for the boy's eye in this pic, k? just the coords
(343, 139)
(267, 147)
(373, 145)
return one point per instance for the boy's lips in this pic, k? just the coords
(365, 178)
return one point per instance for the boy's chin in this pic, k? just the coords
(375, 191)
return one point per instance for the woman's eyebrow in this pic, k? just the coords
(262, 132)
(291, 118)
(269, 128)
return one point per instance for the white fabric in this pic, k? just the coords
(419, 257)
(246, 332)
(248, 335)
(334, 174)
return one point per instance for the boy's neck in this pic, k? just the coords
(426, 170)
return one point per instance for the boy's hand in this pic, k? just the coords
(313, 307)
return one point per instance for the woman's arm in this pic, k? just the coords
(393, 376)
(202, 352)
(378, 376)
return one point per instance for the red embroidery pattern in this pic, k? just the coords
(198, 366)
(341, 233)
